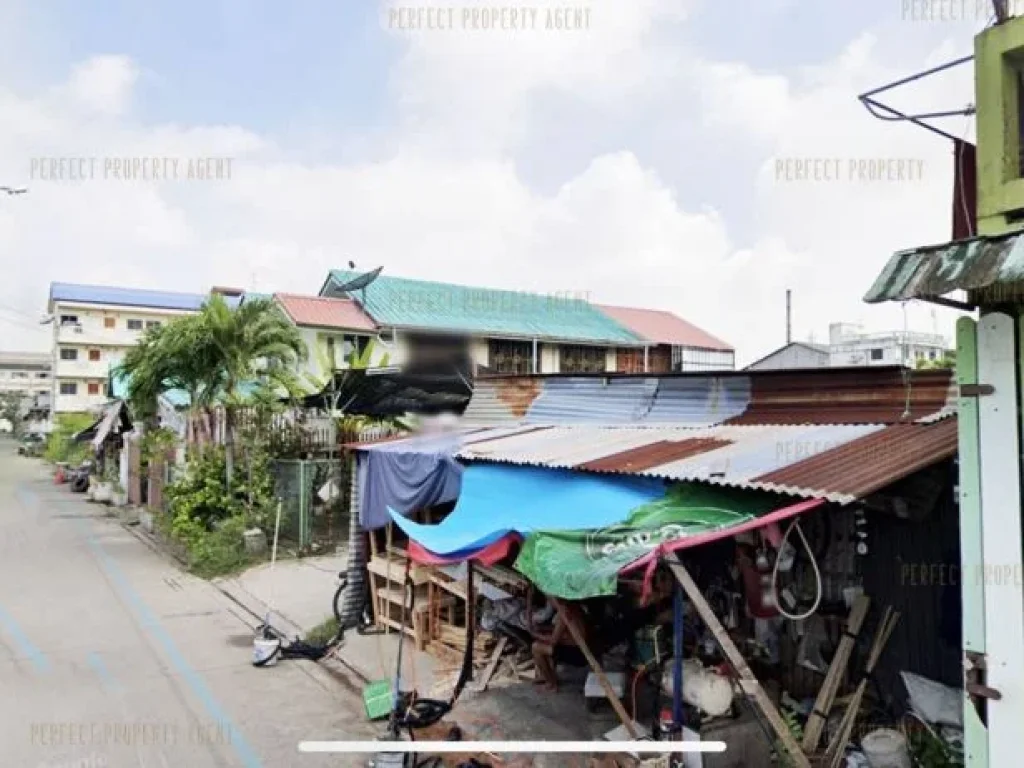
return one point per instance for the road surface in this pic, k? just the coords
(110, 656)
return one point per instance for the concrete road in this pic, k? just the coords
(110, 656)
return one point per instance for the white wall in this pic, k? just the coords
(549, 358)
(479, 350)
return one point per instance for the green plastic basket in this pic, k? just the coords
(378, 699)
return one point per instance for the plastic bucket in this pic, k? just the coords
(886, 748)
(264, 651)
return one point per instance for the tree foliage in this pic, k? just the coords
(222, 356)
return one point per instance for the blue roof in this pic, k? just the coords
(405, 303)
(126, 297)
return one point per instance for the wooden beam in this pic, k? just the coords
(602, 678)
(748, 683)
(499, 649)
(836, 671)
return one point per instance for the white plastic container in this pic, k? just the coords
(886, 748)
(264, 651)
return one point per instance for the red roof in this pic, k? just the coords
(322, 312)
(664, 328)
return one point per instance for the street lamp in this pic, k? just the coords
(14, 190)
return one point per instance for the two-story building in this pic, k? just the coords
(93, 327)
(503, 331)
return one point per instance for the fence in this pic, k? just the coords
(314, 512)
(293, 433)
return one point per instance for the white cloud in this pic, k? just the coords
(104, 83)
(451, 202)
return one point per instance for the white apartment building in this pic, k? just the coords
(25, 372)
(93, 327)
(849, 345)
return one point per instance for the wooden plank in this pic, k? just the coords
(748, 683)
(595, 666)
(836, 672)
(379, 566)
(998, 439)
(499, 649)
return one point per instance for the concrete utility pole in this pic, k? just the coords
(789, 316)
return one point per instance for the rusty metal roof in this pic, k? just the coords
(969, 265)
(877, 395)
(849, 396)
(863, 466)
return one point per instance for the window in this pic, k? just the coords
(69, 354)
(134, 325)
(94, 355)
(43, 375)
(931, 354)
(94, 387)
(510, 356)
(152, 323)
(19, 375)
(579, 359)
(69, 388)
(69, 319)
(876, 354)
(109, 322)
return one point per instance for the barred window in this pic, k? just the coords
(581, 359)
(510, 356)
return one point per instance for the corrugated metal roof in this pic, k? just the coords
(847, 396)
(813, 396)
(321, 312)
(869, 464)
(936, 270)
(653, 455)
(839, 462)
(698, 400)
(127, 297)
(577, 400)
(663, 327)
(406, 303)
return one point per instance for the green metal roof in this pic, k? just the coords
(966, 265)
(405, 303)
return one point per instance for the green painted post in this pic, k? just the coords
(972, 587)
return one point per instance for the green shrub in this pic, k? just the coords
(209, 518)
(59, 446)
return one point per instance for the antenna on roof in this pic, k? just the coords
(789, 317)
(359, 283)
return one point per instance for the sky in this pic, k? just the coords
(658, 153)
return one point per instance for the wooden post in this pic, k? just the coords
(748, 683)
(602, 678)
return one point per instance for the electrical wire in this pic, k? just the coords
(814, 564)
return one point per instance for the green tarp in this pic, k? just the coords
(579, 564)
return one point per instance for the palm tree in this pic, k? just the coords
(212, 356)
(255, 342)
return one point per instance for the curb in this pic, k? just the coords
(324, 672)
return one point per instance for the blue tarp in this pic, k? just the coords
(498, 499)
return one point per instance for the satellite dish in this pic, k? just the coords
(360, 282)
